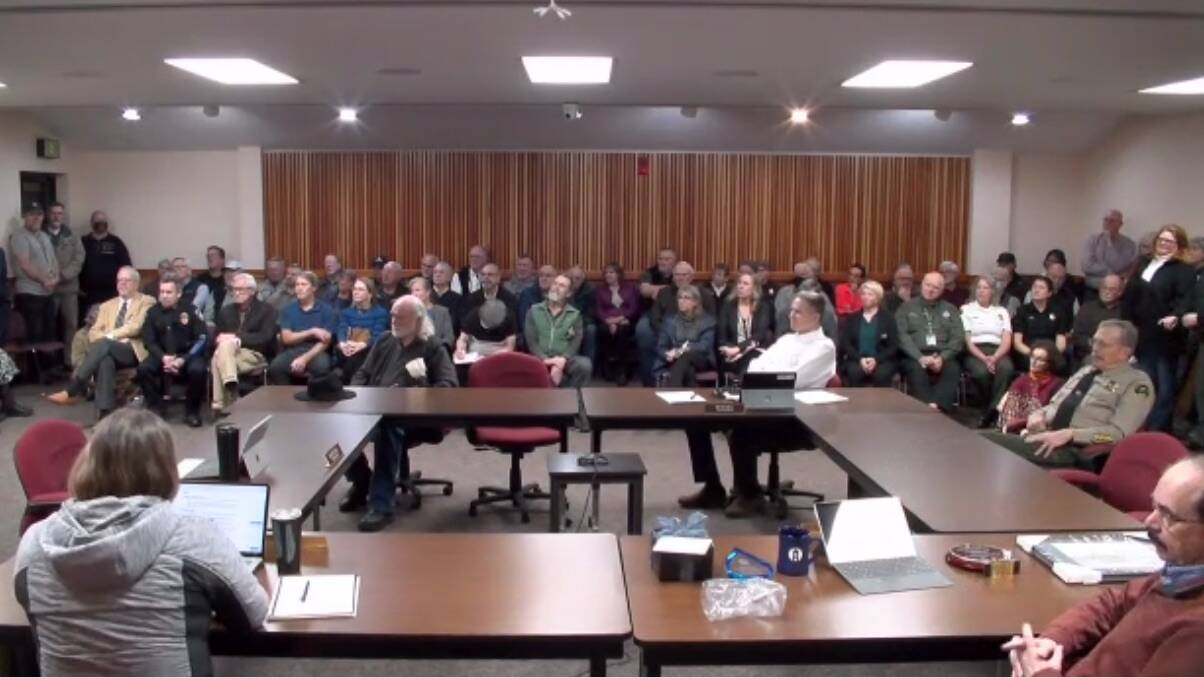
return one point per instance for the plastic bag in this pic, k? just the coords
(695, 525)
(731, 598)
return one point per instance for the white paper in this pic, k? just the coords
(1105, 556)
(679, 397)
(818, 397)
(329, 595)
(1026, 542)
(468, 359)
(188, 465)
(693, 546)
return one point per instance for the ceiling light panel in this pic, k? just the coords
(1195, 86)
(548, 70)
(233, 71)
(905, 73)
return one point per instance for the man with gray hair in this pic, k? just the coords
(115, 343)
(408, 357)
(1108, 252)
(391, 288)
(665, 306)
(553, 334)
(246, 339)
(1105, 401)
(276, 290)
(954, 293)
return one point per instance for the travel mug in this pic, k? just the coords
(286, 530)
(795, 548)
(227, 452)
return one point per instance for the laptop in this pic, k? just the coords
(252, 456)
(767, 390)
(869, 544)
(239, 510)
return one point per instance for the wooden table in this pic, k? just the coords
(826, 621)
(949, 478)
(443, 596)
(621, 468)
(641, 409)
(294, 446)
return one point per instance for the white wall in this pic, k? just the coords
(1152, 169)
(990, 209)
(175, 203)
(18, 139)
(1047, 210)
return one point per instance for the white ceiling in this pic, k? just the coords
(1078, 62)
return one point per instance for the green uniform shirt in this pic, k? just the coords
(1114, 407)
(928, 327)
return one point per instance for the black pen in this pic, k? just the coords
(305, 591)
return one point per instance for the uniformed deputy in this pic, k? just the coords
(932, 338)
(1101, 404)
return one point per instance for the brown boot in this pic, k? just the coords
(709, 497)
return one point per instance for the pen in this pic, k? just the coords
(305, 591)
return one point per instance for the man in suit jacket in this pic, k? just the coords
(115, 343)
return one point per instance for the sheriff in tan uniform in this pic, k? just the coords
(1101, 404)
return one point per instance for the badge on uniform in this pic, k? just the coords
(1142, 390)
(946, 314)
(184, 318)
(930, 340)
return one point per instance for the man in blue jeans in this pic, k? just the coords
(409, 356)
(307, 326)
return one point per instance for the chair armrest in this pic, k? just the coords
(1096, 450)
(1084, 480)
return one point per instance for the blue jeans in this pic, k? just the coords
(1161, 369)
(645, 341)
(391, 462)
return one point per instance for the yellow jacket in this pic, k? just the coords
(135, 315)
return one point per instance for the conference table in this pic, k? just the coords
(949, 478)
(443, 407)
(294, 448)
(439, 596)
(827, 621)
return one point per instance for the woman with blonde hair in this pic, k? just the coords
(869, 341)
(117, 582)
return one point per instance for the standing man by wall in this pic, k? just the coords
(104, 255)
(70, 252)
(37, 273)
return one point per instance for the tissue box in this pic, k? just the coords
(683, 558)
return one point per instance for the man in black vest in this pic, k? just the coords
(468, 279)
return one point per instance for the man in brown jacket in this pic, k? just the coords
(1152, 626)
(115, 342)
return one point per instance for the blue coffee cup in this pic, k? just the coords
(796, 549)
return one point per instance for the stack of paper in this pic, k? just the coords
(818, 397)
(679, 397)
(308, 597)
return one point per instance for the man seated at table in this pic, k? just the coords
(174, 336)
(553, 334)
(487, 330)
(812, 357)
(115, 342)
(307, 327)
(1100, 404)
(409, 356)
(246, 338)
(1153, 626)
(931, 338)
(1091, 314)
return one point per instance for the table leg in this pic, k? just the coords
(597, 665)
(854, 490)
(647, 668)
(557, 503)
(595, 440)
(564, 439)
(635, 507)
(317, 519)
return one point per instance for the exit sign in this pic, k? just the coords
(49, 149)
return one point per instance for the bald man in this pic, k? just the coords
(932, 339)
(1108, 252)
(664, 306)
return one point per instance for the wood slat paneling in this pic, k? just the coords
(590, 208)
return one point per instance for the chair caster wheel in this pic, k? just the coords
(526, 518)
(472, 511)
(447, 491)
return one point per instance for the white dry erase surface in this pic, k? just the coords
(679, 397)
(690, 546)
(315, 596)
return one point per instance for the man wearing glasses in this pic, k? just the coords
(1152, 626)
(246, 338)
(1102, 403)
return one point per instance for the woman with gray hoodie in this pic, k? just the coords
(117, 582)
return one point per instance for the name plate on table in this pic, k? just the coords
(724, 408)
(333, 456)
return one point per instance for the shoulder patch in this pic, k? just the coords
(1102, 438)
(1142, 390)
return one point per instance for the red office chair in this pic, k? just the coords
(44, 455)
(513, 370)
(1131, 472)
(777, 491)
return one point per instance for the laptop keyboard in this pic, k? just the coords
(887, 567)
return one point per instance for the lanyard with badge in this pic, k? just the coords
(930, 338)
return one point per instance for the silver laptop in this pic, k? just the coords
(253, 457)
(767, 390)
(239, 510)
(869, 544)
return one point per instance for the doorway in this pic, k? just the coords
(38, 188)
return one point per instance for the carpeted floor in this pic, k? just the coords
(665, 455)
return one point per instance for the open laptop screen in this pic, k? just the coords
(239, 510)
(856, 530)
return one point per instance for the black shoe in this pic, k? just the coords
(988, 418)
(745, 506)
(352, 502)
(709, 497)
(15, 410)
(193, 420)
(375, 522)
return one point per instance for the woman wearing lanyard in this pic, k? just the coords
(745, 326)
(988, 343)
(1158, 295)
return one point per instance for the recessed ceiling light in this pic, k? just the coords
(131, 114)
(799, 116)
(1194, 86)
(348, 114)
(233, 71)
(1020, 119)
(2, 85)
(568, 70)
(905, 73)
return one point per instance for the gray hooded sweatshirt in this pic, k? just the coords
(130, 587)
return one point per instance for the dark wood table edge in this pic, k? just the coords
(313, 506)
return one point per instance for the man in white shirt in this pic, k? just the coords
(808, 353)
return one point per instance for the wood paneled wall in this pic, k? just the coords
(590, 208)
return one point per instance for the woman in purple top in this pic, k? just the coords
(618, 309)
